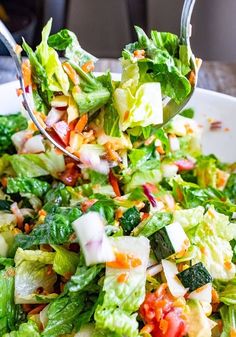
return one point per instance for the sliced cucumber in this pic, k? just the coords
(195, 277)
(169, 240)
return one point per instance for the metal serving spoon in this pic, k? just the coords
(171, 108)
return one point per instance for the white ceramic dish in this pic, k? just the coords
(208, 106)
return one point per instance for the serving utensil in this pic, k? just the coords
(170, 107)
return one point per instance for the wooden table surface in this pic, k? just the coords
(215, 76)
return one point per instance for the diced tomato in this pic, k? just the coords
(161, 317)
(70, 176)
(184, 165)
(63, 131)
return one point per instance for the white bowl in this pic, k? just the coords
(208, 106)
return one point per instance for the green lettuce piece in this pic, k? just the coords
(8, 126)
(228, 294)
(7, 221)
(27, 185)
(62, 315)
(214, 250)
(49, 59)
(106, 208)
(199, 325)
(31, 275)
(121, 300)
(8, 309)
(228, 316)
(65, 261)
(28, 329)
(206, 171)
(56, 229)
(141, 177)
(189, 218)
(36, 165)
(230, 189)
(58, 195)
(152, 224)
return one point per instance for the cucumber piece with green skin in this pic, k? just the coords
(169, 240)
(194, 277)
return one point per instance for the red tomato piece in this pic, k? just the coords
(63, 131)
(70, 176)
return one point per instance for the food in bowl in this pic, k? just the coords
(137, 239)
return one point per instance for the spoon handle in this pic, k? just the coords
(185, 26)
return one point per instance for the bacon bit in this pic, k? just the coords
(27, 307)
(226, 129)
(42, 212)
(160, 149)
(139, 54)
(4, 182)
(49, 270)
(37, 309)
(163, 325)
(228, 265)
(87, 67)
(126, 115)
(18, 49)
(27, 228)
(74, 247)
(79, 127)
(87, 204)
(215, 125)
(71, 73)
(233, 332)
(122, 278)
(145, 216)
(70, 176)
(111, 154)
(19, 92)
(147, 329)
(27, 73)
(114, 183)
(46, 248)
(192, 78)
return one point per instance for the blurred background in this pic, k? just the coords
(105, 26)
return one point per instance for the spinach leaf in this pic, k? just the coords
(27, 185)
(58, 196)
(106, 208)
(56, 229)
(8, 126)
(5, 205)
(130, 219)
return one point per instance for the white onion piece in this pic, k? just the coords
(154, 270)
(169, 170)
(202, 294)
(19, 138)
(174, 143)
(175, 286)
(34, 145)
(16, 211)
(54, 116)
(91, 159)
(90, 231)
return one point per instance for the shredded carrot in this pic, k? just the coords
(37, 310)
(215, 296)
(135, 262)
(71, 73)
(119, 213)
(192, 78)
(233, 332)
(86, 204)
(88, 67)
(124, 261)
(228, 265)
(80, 125)
(139, 53)
(161, 303)
(114, 183)
(19, 92)
(147, 329)
(163, 325)
(4, 182)
(160, 149)
(42, 212)
(145, 216)
(122, 278)
(27, 73)
(27, 228)
(126, 115)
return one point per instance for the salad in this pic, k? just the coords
(139, 238)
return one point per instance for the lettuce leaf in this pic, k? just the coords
(65, 261)
(152, 224)
(228, 293)
(8, 126)
(27, 185)
(28, 329)
(31, 275)
(121, 300)
(189, 218)
(228, 316)
(56, 229)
